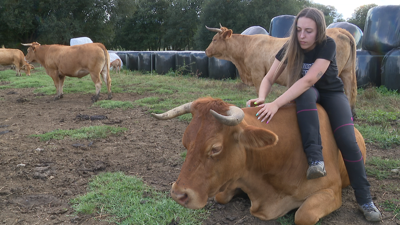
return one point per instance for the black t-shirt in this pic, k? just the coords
(326, 50)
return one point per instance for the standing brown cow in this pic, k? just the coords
(9, 56)
(73, 61)
(253, 56)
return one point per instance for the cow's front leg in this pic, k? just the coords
(317, 206)
(225, 196)
(56, 80)
(60, 86)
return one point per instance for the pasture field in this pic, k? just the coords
(74, 162)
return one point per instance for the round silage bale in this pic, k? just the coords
(221, 69)
(164, 61)
(132, 62)
(382, 29)
(182, 62)
(280, 26)
(146, 61)
(390, 70)
(368, 69)
(352, 28)
(255, 30)
(199, 63)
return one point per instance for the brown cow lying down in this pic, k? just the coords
(229, 148)
(9, 56)
(73, 61)
(253, 56)
(116, 64)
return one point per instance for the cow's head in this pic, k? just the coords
(216, 141)
(218, 43)
(31, 55)
(27, 68)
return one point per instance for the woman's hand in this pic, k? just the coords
(255, 102)
(267, 111)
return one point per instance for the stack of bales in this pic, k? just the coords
(379, 62)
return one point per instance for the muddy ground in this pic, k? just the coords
(37, 179)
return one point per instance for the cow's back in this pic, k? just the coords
(284, 125)
(258, 53)
(69, 59)
(11, 56)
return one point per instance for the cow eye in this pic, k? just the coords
(215, 150)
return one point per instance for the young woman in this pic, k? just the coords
(310, 58)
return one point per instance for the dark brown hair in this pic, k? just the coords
(293, 54)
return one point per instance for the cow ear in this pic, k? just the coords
(227, 34)
(254, 137)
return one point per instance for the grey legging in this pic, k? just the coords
(337, 106)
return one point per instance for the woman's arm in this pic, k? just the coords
(266, 84)
(316, 71)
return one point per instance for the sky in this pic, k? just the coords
(347, 7)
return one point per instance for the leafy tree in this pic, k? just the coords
(238, 15)
(57, 21)
(330, 13)
(18, 24)
(360, 14)
(181, 23)
(143, 30)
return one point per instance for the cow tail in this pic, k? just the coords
(106, 77)
(353, 55)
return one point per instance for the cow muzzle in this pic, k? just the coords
(187, 197)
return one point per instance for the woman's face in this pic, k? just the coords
(306, 33)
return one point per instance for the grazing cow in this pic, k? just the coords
(73, 61)
(229, 150)
(116, 64)
(9, 56)
(253, 56)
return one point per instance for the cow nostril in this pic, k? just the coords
(183, 198)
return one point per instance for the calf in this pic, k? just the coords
(116, 64)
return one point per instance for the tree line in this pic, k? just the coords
(144, 24)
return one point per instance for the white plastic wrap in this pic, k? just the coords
(80, 41)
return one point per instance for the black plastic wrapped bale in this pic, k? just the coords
(219, 69)
(182, 62)
(352, 28)
(280, 26)
(368, 69)
(132, 62)
(123, 56)
(164, 61)
(199, 63)
(382, 29)
(391, 70)
(255, 30)
(146, 61)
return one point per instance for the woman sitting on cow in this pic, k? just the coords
(310, 58)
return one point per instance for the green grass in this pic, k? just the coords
(91, 132)
(127, 200)
(111, 104)
(393, 206)
(381, 168)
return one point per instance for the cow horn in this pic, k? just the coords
(214, 29)
(234, 117)
(177, 111)
(29, 44)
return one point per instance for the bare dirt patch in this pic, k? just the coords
(37, 179)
